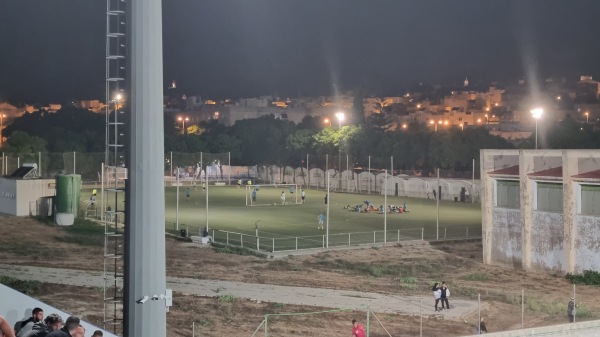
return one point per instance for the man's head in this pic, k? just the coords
(97, 333)
(37, 314)
(72, 326)
(54, 321)
(354, 323)
(443, 284)
(79, 332)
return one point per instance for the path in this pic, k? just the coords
(319, 297)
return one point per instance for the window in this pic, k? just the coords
(508, 194)
(590, 199)
(550, 197)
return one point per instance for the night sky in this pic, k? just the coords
(53, 50)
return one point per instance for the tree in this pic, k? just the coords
(21, 143)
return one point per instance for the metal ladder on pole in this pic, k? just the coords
(114, 172)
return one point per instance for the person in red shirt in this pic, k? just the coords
(357, 329)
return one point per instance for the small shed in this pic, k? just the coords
(23, 193)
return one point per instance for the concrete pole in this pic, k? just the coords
(171, 167)
(177, 201)
(369, 174)
(307, 171)
(74, 162)
(145, 273)
(473, 183)
(385, 209)
(327, 219)
(437, 206)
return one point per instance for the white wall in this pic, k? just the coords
(15, 306)
(583, 329)
(29, 191)
(8, 196)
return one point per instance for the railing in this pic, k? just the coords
(292, 243)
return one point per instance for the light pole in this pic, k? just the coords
(183, 120)
(340, 117)
(327, 121)
(537, 114)
(587, 117)
(1, 126)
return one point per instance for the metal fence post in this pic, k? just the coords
(422, 234)
(349, 241)
(273, 250)
(242, 240)
(467, 231)
(374, 237)
(323, 241)
(296, 243)
(227, 238)
(398, 235)
(445, 232)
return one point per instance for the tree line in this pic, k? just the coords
(268, 140)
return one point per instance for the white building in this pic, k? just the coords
(541, 209)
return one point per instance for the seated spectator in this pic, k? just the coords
(70, 328)
(97, 333)
(51, 323)
(26, 325)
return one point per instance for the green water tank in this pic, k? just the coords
(68, 190)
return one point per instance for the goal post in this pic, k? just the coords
(270, 194)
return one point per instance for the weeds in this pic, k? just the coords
(475, 277)
(26, 287)
(284, 265)
(589, 277)
(226, 298)
(227, 249)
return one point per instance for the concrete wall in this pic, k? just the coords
(587, 249)
(8, 196)
(507, 237)
(15, 306)
(547, 244)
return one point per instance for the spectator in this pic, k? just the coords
(445, 295)
(51, 323)
(357, 329)
(97, 333)
(68, 330)
(80, 332)
(26, 325)
(571, 310)
(482, 327)
(437, 294)
(5, 328)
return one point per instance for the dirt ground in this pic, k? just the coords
(398, 270)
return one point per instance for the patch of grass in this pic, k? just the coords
(226, 298)
(584, 313)
(205, 322)
(24, 286)
(411, 287)
(83, 233)
(228, 249)
(464, 291)
(408, 279)
(475, 277)
(589, 277)
(284, 265)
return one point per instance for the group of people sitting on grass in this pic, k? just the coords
(368, 207)
(50, 326)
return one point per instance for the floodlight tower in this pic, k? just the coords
(146, 298)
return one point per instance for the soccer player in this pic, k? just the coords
(254, 195)
(321, 221)
(303, 195)
(282, 198)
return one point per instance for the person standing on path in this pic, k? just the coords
(571, 310)
(437, 294)
(482, 327)
(357, 329)
(445, 295)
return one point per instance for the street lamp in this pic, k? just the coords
(327, 121)
(183, 120)
(537, 114)
(587, 117)
(487, 119)
(1, 126)
(340, 117)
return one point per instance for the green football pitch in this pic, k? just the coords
(227, 211)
